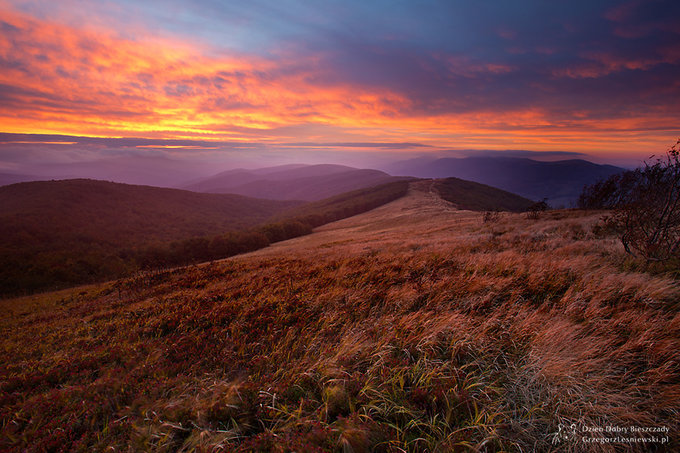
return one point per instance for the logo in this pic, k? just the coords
(564, 432)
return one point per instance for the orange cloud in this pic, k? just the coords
(57, 79)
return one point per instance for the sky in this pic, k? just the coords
(282, 80)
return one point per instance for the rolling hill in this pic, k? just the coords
(560, 182)
(412, 327)
(94, 211)
(60, 233)
(66, 232)
(292, 182)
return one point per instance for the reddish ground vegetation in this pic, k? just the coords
(414, 327)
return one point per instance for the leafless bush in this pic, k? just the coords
(650, 218)
(534, 211)
(646, 207)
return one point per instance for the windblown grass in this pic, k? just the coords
(413, 327)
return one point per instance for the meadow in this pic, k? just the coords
(413, 327)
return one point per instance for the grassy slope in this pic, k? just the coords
(479, 197)
(411, 327)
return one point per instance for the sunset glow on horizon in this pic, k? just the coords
(601, 78)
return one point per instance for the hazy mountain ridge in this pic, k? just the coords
(136, 170)
(15, 178)
(308, 182)
(238, 176)
(560, 181)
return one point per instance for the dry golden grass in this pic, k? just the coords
(413, 327)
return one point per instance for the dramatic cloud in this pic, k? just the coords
(600, 77)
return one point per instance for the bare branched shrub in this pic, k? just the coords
(534, 211)
(608, 193)
(646, 207)
(650, 217)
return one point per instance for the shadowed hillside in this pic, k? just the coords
(73, 231)
(413, 327)
(308, 182)
(479, 197)
(121, 214)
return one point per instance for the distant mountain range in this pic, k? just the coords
(142, 170)
(292, 182)
(560, 182)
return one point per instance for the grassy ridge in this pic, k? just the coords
(290, 224)
(482, 336)
(63, 233)
(347, 204)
